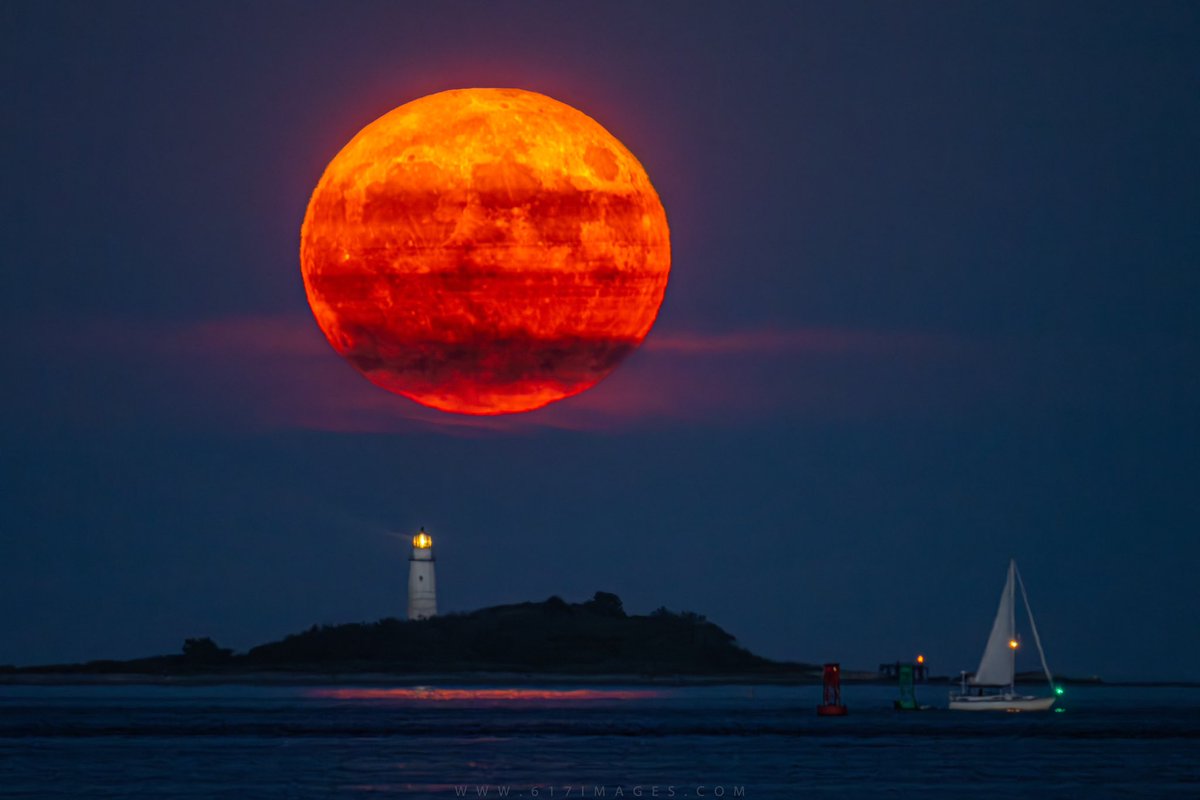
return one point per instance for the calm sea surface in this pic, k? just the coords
(559, 742)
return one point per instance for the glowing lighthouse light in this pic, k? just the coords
(422, 583)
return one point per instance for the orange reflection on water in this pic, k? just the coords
(505, 695)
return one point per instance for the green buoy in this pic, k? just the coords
(908, 694)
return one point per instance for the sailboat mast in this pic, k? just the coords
(1033, 627)
(1012, 627)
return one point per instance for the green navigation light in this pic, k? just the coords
(1058, 690)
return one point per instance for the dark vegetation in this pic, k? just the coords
(596, 637)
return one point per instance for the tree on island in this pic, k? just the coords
(204, 651)
(605, 603)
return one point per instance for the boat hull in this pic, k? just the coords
(1000, 702)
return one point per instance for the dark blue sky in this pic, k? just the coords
(933, 303)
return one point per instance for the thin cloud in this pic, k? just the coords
(271, 372)
(832, 341)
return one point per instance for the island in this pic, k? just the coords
(553, 639)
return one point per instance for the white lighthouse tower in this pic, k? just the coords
(422, 584)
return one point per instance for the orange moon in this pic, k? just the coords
(485, 251)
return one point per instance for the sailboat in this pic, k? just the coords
(992, 688)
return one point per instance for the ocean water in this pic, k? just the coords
(563, 742)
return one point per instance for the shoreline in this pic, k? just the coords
(314, 678)
(487, 679)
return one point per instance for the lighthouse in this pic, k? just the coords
(422, 585)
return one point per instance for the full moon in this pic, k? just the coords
(485, 251)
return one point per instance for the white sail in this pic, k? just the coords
(1033, 627)
(996, 666)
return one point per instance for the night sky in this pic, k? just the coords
(934, 303)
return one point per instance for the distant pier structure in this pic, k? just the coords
(892, 671)
(422, 583)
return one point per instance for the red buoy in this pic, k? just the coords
(832, 704)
